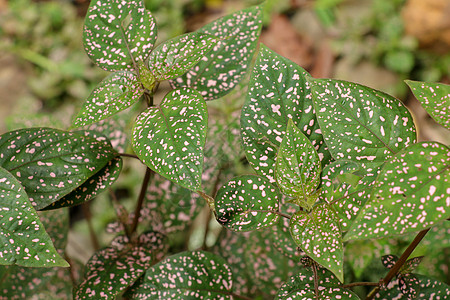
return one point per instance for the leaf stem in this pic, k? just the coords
(88, 216)
(208, 217)
(316, 280)
(137, 211)
(399, 263)
(128, 155)
(349, 285)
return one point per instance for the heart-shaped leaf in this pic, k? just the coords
(409, 285)
(410, 194)
(117, 34)
(169, 138)
(186, 275)
(346, 186)
(176, 56)
(51, 163)
(22, 235)
(360, 123)
(319, 236)
(247, 202)
(113, 269)
(301, 286)
(298, 167)
(411, 264)
(223, 67)
(435, 98)
(277, 92)
(114, 94)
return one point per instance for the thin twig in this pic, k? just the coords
(137, 212)
(128, 155)
(349, 285)
(88, 216)
(392, 272)
(316, 280)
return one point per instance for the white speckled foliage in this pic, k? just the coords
(346, 186)
(435, 98)
(186, 275)
(277, 92)
(297, 168)
(176, 56)
(169, 138)
(247, 202)
(51, 163)
(23, 238)
(118, 33)
(114, 94)
(411, 193)
(360, 123)
(318, 234)
(301, 287)
(223, 67)
(113, 269)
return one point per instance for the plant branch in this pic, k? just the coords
(88, 216)
(394, 270)
(128, 155)
(349, 285)
(137, 212)
(316, 280)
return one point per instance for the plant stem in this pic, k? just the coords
(88, 216)
(128, 155)
(349, 285)
(399, 263)
(316, 280)
(137, 212)
(240, 296)
(73, 274)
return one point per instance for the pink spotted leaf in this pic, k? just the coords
(117, 34)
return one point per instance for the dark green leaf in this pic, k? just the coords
(298, 168)
(186, 275)
(346, 186)
(117, 34)
(170, 138)
(114, 94)
(277, 92)
(22, 235)
(175, 57)
(429, 289)
(113, 269)
(411, 264)
(360, 123)
(301, 286)
(409, 285)
(435, 98)
(247, 202)
(389, 260)
(223, 67)
(96, 184)
(51, 163)
(410, 194)
(319, 236)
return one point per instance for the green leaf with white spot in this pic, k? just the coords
(346, 186)
(117, 34)
(429, 289)
(225, 66)
(170, 138)
(435, 98)
(114, 94)
(297, 169)
(51, 163)
(410, 194)
(301, 287)
(176, 56)
(186, 275)
(26, 283)
(22, 235)
(317, 233)
(247, 202)
(96, 184)
(278, 91)
(360, 123)
(113, 269)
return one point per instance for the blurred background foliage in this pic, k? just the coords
(45, 77)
